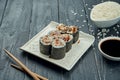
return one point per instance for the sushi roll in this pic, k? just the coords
(62, 28)
(69, 41)
(45, 44)
(54, 34)
(74, 30)
(58, 49)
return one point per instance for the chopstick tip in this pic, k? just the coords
(5, 50)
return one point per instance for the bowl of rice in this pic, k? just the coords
(105, 14)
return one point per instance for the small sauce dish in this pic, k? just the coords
(109, 47)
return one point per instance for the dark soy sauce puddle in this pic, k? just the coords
(111, 47)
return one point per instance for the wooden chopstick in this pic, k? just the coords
(19, 68)
(22, 65)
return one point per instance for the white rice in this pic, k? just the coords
(106, 11)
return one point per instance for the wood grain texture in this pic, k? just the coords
(15, 32)
(21, 20)
(2, 9)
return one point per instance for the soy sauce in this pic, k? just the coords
(111, 47)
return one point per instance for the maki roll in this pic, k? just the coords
(62, 28)
(58, 49)
(69, 41)
(74, 30)
(54, 34)
(45, 44)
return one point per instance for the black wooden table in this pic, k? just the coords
(20, 20)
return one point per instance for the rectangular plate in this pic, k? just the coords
(71, 57)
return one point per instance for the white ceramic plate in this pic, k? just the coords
(71, 57)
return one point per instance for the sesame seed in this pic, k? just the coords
(89, 8)
(86, 4)
(83, 25)
(117, 32)
(77, 20)
(81, 15)
(84, 21)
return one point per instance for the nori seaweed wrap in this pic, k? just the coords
(74, 30)
(45, 44)
(58, 49)
(69, 41)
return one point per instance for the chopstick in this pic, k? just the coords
(19, 68)
(22, 66)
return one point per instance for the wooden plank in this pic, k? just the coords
(43, 11)
(2, 9)
(92, 30)
(14, 32)
(74, 13)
